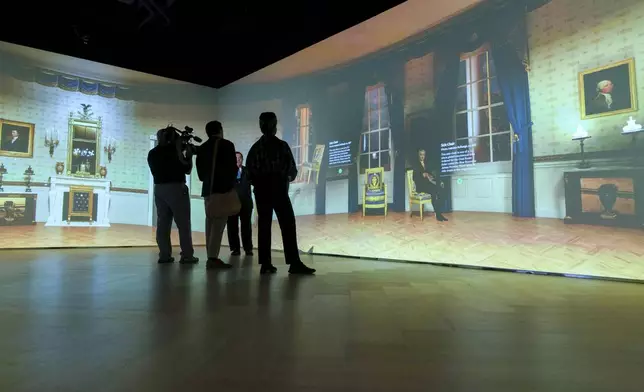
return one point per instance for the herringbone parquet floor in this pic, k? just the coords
(113, 320)
(474, 239)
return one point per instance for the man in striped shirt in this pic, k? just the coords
(271, 168)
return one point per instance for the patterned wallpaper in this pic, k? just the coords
(130, 123)
(565, 38)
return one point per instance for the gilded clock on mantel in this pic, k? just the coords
(84, 139)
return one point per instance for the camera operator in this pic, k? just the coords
(169, 167)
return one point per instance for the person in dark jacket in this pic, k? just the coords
(245, 214)
(225, 177)
(271, 168)
(171, 196)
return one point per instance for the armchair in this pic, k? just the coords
(415, 198)
(314, 165)
(374, 194)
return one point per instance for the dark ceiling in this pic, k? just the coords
(206, 42)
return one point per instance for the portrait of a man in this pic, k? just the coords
(608, 90)
(16, 139)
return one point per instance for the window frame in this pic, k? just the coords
(300, 148)
(367, 131)
(473, 109)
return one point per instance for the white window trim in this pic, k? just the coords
(473, 108)
(302, 148)
(366, 135)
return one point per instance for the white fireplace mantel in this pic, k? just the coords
(61, 184)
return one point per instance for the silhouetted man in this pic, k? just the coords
(224, 181)
(171, 196)
(271, 168)
(426, 182)
(246, 198)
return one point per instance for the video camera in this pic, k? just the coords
(185, 136)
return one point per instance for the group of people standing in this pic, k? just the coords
(270, 167)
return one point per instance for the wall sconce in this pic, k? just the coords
(581, 135)
(110, 148)
(51, 141)
(3, 171)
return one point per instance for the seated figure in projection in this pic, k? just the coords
(171, 196)
(271, 167)
(426, 182)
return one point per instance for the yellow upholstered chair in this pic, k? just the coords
(314, 165)
(415, 198)
(374, 194)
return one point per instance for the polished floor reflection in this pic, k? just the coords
(113, 320)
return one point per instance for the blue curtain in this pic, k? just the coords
(320, 124)
(353, 130)
(394, 79)
(339, 116)
(443, 113)
(513, 81)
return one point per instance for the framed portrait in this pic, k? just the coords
(608, 90)
(16, 139)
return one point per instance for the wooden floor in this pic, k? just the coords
(118, 236)
(113, 320)
(469, 238)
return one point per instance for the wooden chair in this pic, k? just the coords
(314, 165)
(374, 194)
(419, 199)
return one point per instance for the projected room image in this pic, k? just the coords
(74, 138)
(463, 124)
(472, 141)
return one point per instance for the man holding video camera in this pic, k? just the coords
(170, 163)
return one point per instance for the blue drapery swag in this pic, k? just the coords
(76, 84)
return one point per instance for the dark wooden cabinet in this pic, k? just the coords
(612, 197)
(18, 209)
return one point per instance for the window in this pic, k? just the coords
(481, 121)
(375, 141)
(301, 142)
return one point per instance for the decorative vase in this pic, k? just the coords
(103, 171)
(608, 197)
(60, 168)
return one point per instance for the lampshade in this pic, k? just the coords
(580, 133)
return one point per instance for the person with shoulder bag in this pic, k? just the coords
(217, 170)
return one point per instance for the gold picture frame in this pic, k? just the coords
(608, 90)
(84, 192)
(13, 142)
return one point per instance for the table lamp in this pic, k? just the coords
(581, 135)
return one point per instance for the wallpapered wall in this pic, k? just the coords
(569, 36)
(130, 123)
(241, 126)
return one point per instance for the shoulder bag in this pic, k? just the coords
(221, 205)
